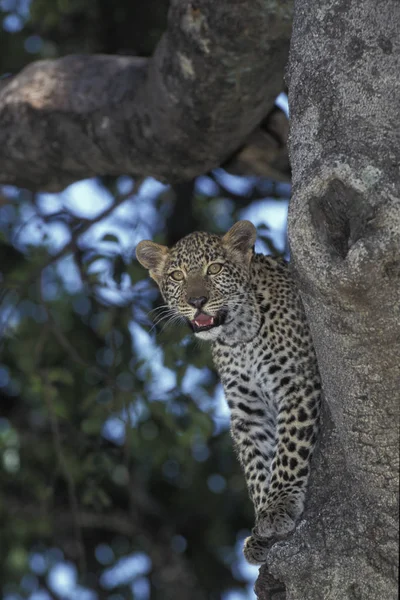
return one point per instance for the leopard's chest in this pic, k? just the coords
(240, 362)
(271, 353)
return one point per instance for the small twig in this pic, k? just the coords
(72, 495)
(44, 584)
(13, 309)
(88, 223)
(66, 344)
(39, 346)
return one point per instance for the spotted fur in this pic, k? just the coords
(262, 349)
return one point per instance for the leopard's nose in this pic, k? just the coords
(197, 301)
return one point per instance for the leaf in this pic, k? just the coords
(60, 375)
(118, 269)
(17, 558)
(89, 400)
(95, 496)
(110, 237)
(92, 426)
(103, 498)
(60, 409)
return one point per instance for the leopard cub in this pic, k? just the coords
(247, 306)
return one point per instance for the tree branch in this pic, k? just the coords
(213, 78)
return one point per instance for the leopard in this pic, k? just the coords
(248, 306)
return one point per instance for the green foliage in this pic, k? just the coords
(90, 434)
(110, 437)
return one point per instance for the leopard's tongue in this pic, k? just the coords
(203, 320)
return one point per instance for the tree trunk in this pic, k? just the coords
(344, 96)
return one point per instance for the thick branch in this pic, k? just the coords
(213, 78)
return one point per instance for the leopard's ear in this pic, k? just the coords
(152, 256)
(241, 238)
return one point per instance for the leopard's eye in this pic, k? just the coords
(177, 275)
(214, 268)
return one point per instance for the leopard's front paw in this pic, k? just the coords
(279, 516)
(255, 550)
(274, 521)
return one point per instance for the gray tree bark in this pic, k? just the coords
(213, 78)
(344, 93)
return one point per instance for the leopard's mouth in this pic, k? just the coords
(203, 321)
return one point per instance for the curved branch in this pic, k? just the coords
(213, 78)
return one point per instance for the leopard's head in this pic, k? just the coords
(205, 278)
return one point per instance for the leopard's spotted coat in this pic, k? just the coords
(263, 352)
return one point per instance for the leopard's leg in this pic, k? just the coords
(256, 550)
(298, 402)
(253, 430)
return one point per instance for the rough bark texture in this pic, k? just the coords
(213, 78)
(344, 93)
